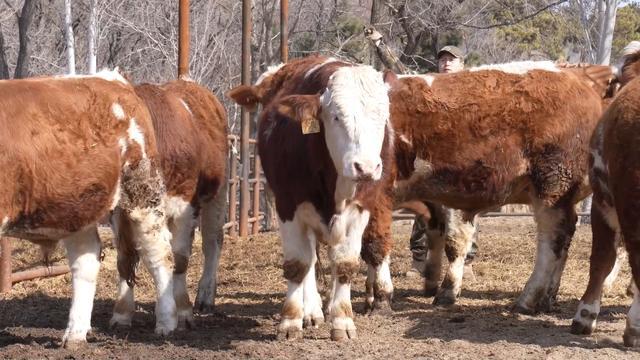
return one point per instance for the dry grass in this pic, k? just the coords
(251, 290)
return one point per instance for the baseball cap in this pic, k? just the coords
(453, 50)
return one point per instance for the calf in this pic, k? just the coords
(494, 135)
(326, 145)
(71, 150)
(615, 179)
(190, 126)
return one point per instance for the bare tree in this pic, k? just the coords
(607, 23)
(68, 34)
(24, 22)
(92, 51)
(4, 68)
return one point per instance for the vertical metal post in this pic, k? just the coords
(284, 30)
(245, 121)
(183, 39)
(233, 189)
(5, 264)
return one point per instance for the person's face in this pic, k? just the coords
(448, 63)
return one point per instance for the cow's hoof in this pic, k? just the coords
(522, 309)
(203, 308)
(289, 333)
(380, 308)
(186, 322)
(631, 337)
(120, 321)
(445, 298)
(579, 328)
(431, 291)
(312, 322)
(74, 345)
(342, 335)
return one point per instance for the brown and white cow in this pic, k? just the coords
(615, 179)
(71, 150)
(190, 127)
(494, 135)
(325, 180)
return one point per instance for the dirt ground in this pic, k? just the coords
(251, 289)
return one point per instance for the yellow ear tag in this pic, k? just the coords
(310, 125)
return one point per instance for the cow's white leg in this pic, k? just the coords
(124, 307)
(297, 259)
(344, 258)
(458, 236)
(182, 226)
(555, 228)
(606, 232)
(153, 240)
(313, 315)
(379, 287)
(631, 335)
(212, 215)
(621, 258)
(83, 252)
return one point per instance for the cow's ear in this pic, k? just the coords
(304, 109)
(389, 77)
(246, 96)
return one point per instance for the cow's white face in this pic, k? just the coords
(355, 112)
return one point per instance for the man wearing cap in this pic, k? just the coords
(450, 60)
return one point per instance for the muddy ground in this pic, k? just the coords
(251, 288)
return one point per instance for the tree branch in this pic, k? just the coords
(516, 21)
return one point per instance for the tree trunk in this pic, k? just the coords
(68, 34)
(91, 65)
(24, 22)
(607, 23)
(385, 54)
(4, 68)
(375, 19)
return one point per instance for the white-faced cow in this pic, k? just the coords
(615, 179)
(326, 149)
(494, 135)
(191, 132)
(71, 150)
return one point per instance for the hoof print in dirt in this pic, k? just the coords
(343, 335)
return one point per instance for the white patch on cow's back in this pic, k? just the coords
(136, 135)
(184, 103)
(122, 142)
(118, 111)
(3, 227)
(519, 67)
(116, 195)
(270, 71)
(109, 75)
(318, 66)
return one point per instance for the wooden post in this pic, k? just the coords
(233, 189)
(183, 39)
(5, 264)
(245, 121)
(284, 30)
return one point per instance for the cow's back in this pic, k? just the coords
(190, 125)
(485, 134)
(63, 143)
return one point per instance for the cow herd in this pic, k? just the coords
(342, 145)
